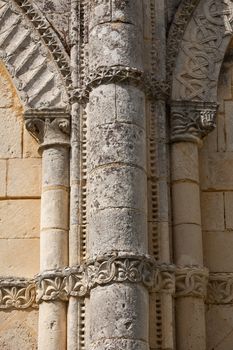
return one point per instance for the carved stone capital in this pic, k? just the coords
(220, 288)
(191, 121)
(49, 128)
(191, 282)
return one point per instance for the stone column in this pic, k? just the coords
(190, 122)
(116, 176)
(52, 132)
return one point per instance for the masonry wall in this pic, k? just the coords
(20, 180)
(216, 161)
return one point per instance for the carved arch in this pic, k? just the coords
(206, 33)
(33, 55)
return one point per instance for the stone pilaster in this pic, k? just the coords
(51, 129)
(190, 122)
(116, 171)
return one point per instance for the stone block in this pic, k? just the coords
(123, 311)
(10, 134)
(24, 177)
(187, 242)
(54, 249)
(19, 257)
(130, 105)
(116, 230)
(119, 143)
(117, 187)
(18, 330)
(54, 210)
(218, 247)
(216, 171)
(19, 218)
(121, 46)
(6, 97)
(2, 178)
(185, 161)
(229, 210)
(212, 209)
(219, 327)
(186, 203)
(229, 125)
(102, 106)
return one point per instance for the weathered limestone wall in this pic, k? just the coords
(216, 175)
(20, 170)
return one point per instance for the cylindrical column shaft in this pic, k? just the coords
(116, 174)
(52, 133)
(187, 239)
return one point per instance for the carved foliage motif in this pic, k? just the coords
(191, 281)
(220, 288)
(192, 121)
(17, 294)
(202, 51)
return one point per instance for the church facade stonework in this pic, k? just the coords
(116, 185)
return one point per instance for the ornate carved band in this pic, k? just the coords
(17, 294)
(191, 281)
(191, 121)
(119, 74)
(49, 127)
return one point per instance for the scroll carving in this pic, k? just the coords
(220, 288)
(202, 50)
(192, 121)
(17, 294)
(189, 281)
(48, 127)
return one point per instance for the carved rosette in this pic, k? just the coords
(191, 282)
(191, 121)
(49, 127)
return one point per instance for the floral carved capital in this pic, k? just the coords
(191, 121)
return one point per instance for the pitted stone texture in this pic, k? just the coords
(116, 11)
(128, 319)
(55, 166)
(18, 330)
(116, 230)
(119, 46)
(118, 142)
(184, 167)
(120, 344)
(19, 218)
(116, 103)
(213, 216)
(24, 177)
(10, 135)
(117, 187)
